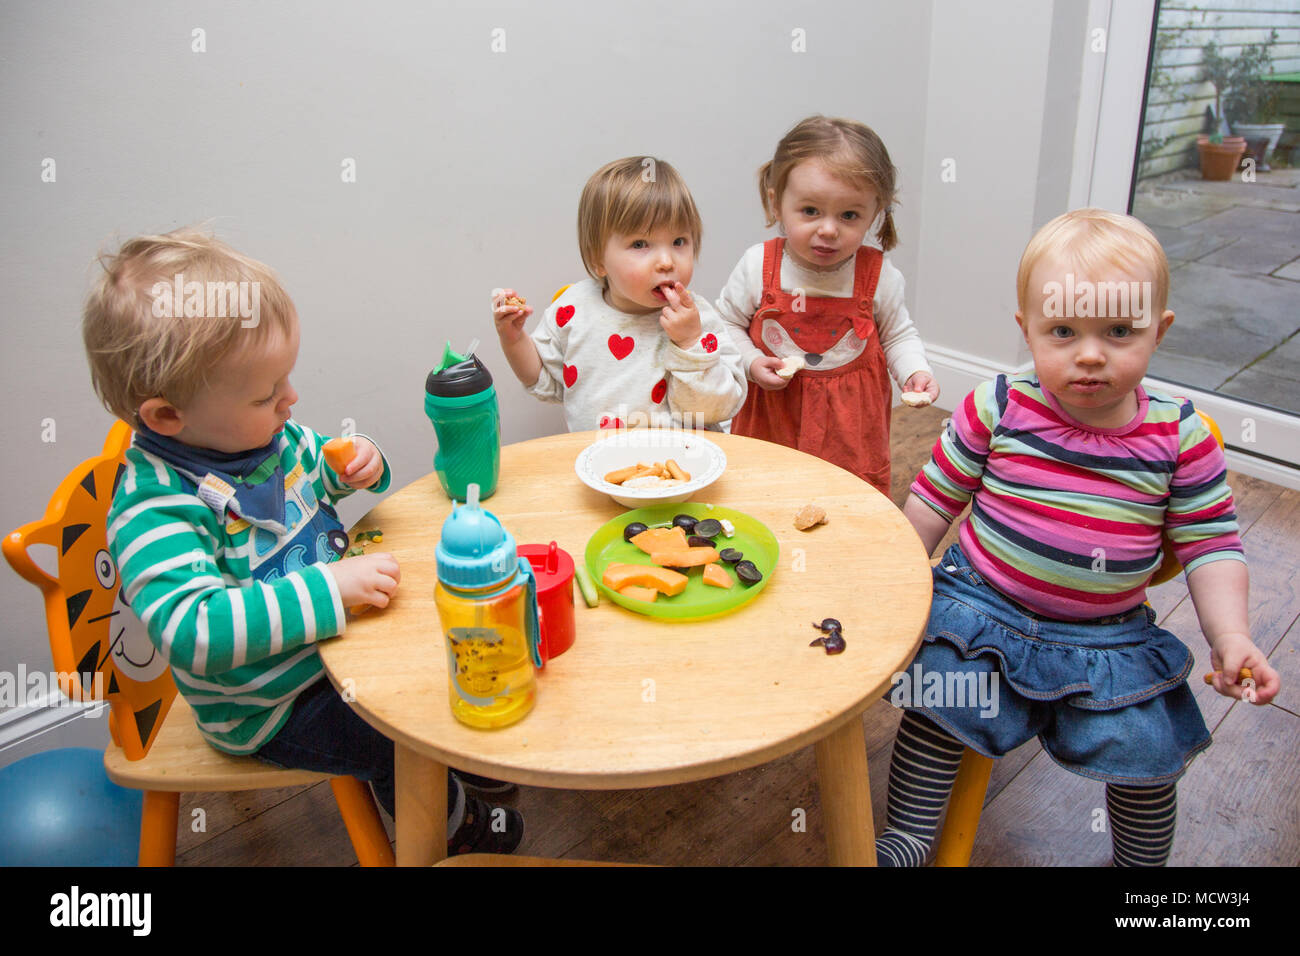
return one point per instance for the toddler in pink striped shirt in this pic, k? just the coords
(1074, 472)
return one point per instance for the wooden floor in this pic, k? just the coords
(1243, 793)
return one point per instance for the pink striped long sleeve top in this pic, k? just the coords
(1066, 519)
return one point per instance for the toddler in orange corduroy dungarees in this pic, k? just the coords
(819, 294)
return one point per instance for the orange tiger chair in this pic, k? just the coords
(156, 745)
(972, 783)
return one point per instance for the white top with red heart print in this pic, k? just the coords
(611, 368)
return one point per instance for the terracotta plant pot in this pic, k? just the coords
(1220, 160)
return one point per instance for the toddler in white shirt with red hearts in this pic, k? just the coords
(630, 345)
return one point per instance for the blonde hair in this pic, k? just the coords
(634, 195)
(141, 345)
(1092, 239)
(850, 150)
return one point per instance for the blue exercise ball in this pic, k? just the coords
(58, 808)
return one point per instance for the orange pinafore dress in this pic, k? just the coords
(837, 406)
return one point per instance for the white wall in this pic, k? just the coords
(469, 165)
(984, 136)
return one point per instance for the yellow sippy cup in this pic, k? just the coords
(487, 602)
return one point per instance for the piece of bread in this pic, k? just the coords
(916, 399)
(809, 516)
(793, 364)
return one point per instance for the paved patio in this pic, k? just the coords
(1234, 256)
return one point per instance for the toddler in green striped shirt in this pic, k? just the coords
(223, 525)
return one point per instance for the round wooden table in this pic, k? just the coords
(642, 702)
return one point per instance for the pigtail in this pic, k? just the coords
(764, 184)
(888, 235)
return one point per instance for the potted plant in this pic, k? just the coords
(1251, 102)
(1219, 154)
(1216, 69)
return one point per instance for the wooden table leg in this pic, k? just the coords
(846, 796)
(421, 808)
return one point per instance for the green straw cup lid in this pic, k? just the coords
(458, 376)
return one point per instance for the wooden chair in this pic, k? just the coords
(103, 647)
(969, 789)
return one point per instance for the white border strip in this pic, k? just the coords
(1244, 425)
(21, 724)
(1119, 120)
(1092, 81)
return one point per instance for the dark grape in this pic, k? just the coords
(632, 530)
(831, 638)
(695, 541)
(708, 528)
(685, 522)
(730, 555)
(747, 572)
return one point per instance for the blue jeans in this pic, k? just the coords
(1107, 698)
(325, 735)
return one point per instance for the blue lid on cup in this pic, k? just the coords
(475, 551)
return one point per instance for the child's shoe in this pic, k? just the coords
(476, 833)
(473, 781)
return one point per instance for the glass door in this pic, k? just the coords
(1213, 86)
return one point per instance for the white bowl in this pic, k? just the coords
(698, 457)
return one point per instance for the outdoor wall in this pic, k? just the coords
(1176, 104)
(468, 167)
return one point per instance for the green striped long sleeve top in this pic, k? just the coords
(235, 607)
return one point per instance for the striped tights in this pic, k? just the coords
(921, 775)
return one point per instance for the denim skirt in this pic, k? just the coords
(1108, 698)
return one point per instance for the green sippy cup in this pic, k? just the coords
(462, 405)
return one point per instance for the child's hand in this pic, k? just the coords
(763, 373)
(923, 382)
(680, 318)
(366, 466)
(509, 319)
(366, 578)
(1229, 655)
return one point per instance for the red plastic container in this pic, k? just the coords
(553, 568)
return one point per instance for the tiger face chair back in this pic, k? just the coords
(95, 638)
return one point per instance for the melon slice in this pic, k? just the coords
(661, 539)
(619, 576)
(638, 593)
(684, 557)
(339, 453)
(716, 575)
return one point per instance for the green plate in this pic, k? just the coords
(699, 600)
